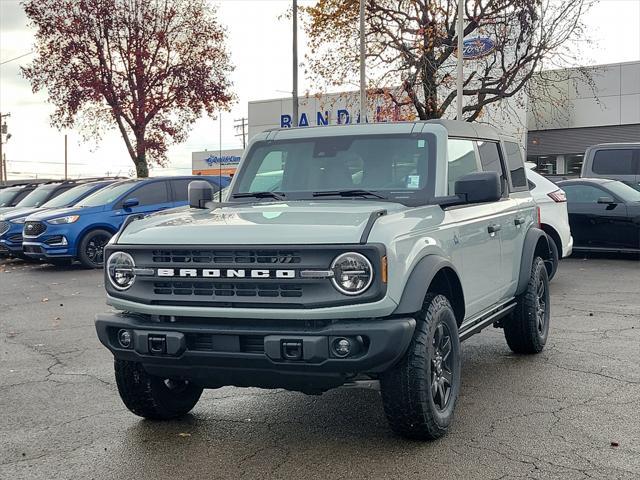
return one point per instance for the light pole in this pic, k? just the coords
(363, 86)
(460, 71)
(295, 63)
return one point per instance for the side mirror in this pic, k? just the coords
(479, 187)
(606, 200)
(130, 202)
(200, 192)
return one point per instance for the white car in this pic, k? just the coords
(554, 219)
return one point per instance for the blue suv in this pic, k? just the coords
(82, 231)
(46, 197)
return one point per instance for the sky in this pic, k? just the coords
(260, 45)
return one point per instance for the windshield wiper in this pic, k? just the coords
(276, 195)
(358, 192)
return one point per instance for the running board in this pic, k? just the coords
(475, 326)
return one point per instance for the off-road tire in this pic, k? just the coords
(555, 257)
(149, 396)
(407, 394)
(525, 330)
(83, 255)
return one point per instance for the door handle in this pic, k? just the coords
(493, 228)
(519, 221)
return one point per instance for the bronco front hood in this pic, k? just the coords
(299, 222)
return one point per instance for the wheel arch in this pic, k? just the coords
(535, 245)
(432, 274)
(555, 236)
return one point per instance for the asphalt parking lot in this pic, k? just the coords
(570, 412)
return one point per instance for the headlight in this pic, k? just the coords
(18, 220)
(120, 270)
(61, 220)
(353, 273)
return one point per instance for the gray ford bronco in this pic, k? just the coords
(341, 255)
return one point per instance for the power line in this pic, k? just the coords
(16, 58)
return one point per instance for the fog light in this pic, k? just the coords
(341, 347)
(124, 337)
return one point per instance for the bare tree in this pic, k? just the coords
(149, 67)
(412, 44)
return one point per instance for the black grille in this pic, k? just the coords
(279, 257)
(204, 342)
(4, 227)
(16, 238)
(215, 289)
(33, 229)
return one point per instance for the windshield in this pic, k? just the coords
(364, 166)
(70, 197)
(624, 191)
(7, 195)
(39, 196)
(106, 195)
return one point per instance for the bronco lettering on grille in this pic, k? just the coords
(224, 273)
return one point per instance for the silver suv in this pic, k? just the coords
(616, 161)
(342, 255)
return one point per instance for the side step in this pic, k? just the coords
(474, 326)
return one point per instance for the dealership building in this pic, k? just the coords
(559, 122)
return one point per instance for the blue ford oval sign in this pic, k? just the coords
(477, 47)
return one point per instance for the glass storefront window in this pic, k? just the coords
(573, 163)
(545, 164)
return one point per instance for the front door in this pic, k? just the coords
(593, 224)
(475, 230)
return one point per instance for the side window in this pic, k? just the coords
(461, 161)
(583, 193)
(614, 162)
(515, 164)
(59, 191)
(181, 188)
(20, 196)
(490, 161)
(150, 194)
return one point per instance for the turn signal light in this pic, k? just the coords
(384, 269)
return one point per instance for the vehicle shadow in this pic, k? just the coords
(605, 256)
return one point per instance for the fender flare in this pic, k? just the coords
(534, 241)
(419, 281)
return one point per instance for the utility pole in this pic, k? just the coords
(295, 63)
(460, 71)
(65, 156)
(363, 86)
(241, 124)
(3, 161)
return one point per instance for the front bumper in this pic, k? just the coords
(43, 250)
(11, 242)
(253, 353)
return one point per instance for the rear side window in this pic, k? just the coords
(461, 161)
(615, 162)
(150, 194)
(515, 164)
(181, 188)
(490, 160)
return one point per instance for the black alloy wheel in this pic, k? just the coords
(442, 370)
(91, 248)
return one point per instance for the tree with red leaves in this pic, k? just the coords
(152, 67)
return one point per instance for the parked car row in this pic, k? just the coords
(59, 222)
